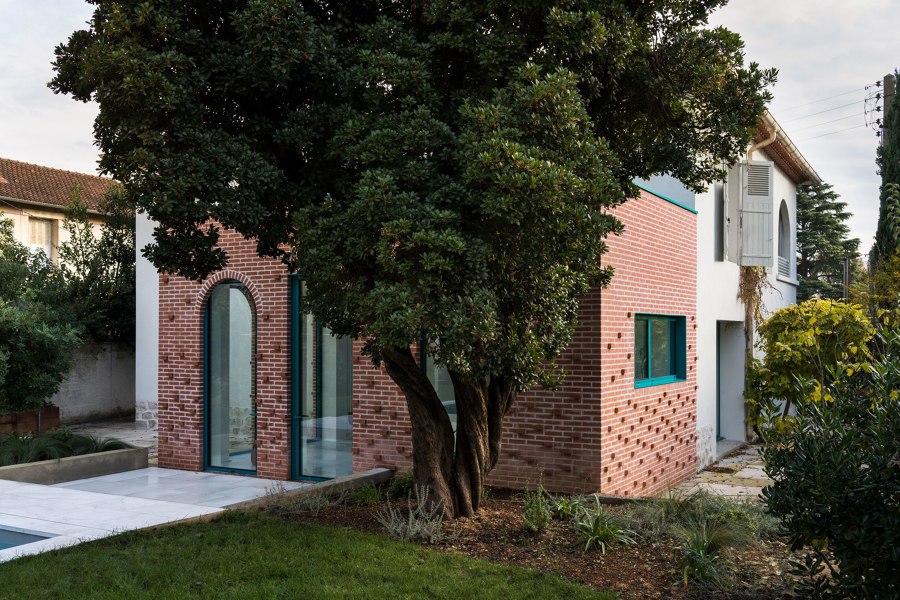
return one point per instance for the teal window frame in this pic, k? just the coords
(677, 327)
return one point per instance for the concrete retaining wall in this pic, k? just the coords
(100, 385)
(48, 472)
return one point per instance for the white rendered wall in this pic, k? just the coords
(717, 301)
(100, 384)
(146, 330)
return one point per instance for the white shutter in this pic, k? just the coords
(41, 236)
(756, 215)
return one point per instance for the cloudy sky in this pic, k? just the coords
(827, 52)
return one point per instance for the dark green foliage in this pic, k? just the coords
(18, 449)
(887, 236)
(99, 271)
(440, 171)
(366, 495)
(836, 472)
(36, 339)
(401, 485)
(536, 513)
(822, 242)
(598, 529)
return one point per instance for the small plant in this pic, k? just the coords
(596, 528)
(18, 449)
(699, 561)
(536, 513)
(423, 521)
(567, 507)
(401, 485)
(366, 495)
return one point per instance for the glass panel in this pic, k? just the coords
(326, 401)
(440, 379)
(231, 420)
(641, 364)
(662, 342)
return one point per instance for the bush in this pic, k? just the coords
(36, 353)
(424, 520)
(401, 485)
(817, 340)
(18, 449)
(596, 528)
(366, 495)
(536, 513)
(836, 473)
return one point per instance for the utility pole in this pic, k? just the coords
(890, 85)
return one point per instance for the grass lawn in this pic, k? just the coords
(250, 555)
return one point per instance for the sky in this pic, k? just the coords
(826, 51)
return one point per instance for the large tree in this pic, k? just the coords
(887, 236)
(439, 171)
(823, 242)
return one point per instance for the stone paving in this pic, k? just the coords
(739, 475)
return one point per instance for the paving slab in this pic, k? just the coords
(92, 508)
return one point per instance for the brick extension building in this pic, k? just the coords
(655, 370)
(603, 430)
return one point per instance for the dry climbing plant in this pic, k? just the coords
(753, 283)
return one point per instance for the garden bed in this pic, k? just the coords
(645, 570)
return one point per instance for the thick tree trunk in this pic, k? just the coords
(432, 434)
(480, 409)
(454, 475)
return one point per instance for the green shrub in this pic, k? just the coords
(19, 449)
(817, 340)
(536, 513)
(366, 495)
(567, 507)
(836, 473)
(401, 486)
(596, 528)
(423, 520)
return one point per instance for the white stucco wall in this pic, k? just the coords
(100, 385)
(720, 313)
(146, 330)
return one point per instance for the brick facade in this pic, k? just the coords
(597, 432)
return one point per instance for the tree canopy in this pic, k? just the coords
(822, 242)
(438, 170)
(887, 236)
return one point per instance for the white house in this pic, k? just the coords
(750, 219)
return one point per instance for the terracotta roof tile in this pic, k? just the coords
(44, 185)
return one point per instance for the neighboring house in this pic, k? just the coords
(34, 198)
(750, 220)
(238, 380)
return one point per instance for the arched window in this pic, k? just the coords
(785, 247)
(230, 362)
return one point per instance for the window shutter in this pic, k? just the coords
(756, 216)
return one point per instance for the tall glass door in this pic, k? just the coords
(323, 399)
(230, 379)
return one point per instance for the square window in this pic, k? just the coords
(660, 351)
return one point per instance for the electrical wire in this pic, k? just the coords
(823, 99)
(824, 123)
(822, 112)
(833, 132)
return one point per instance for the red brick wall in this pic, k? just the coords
(649, 434)
(596, 432)
(181, 311)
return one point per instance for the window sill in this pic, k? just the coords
(787, 280)
(645, 383)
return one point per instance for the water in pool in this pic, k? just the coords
(10, 538)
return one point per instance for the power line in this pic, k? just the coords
(833, 132)
(822, 112)
(824, 123)
(823, 99)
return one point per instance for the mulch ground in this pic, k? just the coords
(641, 571)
